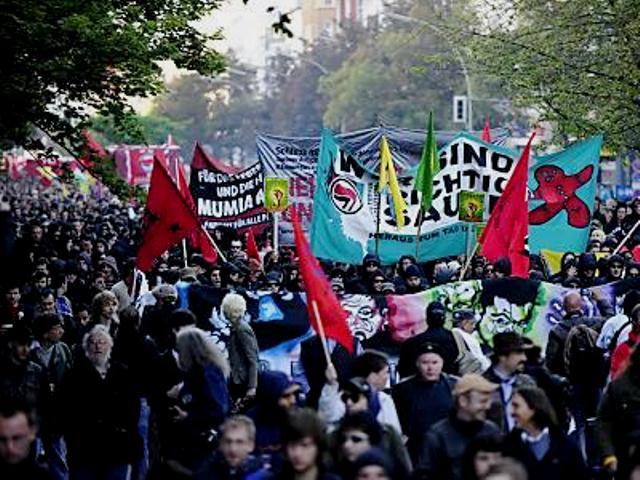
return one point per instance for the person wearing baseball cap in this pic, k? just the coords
(443, 446)
(424, 398)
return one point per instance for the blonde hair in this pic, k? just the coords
(233, 307)
(239, 421)
(99, 301)
(196, 349)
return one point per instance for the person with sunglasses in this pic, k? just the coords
(357, 434)
(358, 394)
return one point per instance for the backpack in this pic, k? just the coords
(584, 361)
(466, 361)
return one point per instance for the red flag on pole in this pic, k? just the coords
(486, 131)
(168, 218)
(252, 246)
(331, 315)
(198, 238)
(508, 226)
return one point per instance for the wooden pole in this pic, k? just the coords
(323, 338)
(215, 245)
(184, 240)
(378, 224)
(626, 238)
(420, 219)
(468, 262)
(275, 230)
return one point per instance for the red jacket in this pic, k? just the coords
(622, 353)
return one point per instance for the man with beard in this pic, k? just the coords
(508, 360)
(100, 410)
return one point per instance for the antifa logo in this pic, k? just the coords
(345, 196)
(558, 191)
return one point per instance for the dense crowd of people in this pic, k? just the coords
(103, 376)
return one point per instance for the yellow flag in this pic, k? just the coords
(388, 177)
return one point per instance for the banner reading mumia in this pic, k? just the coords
(561, 185)
(227, 197)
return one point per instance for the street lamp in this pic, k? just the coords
(456, 51)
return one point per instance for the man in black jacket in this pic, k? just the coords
(425, 398)
(444, 444)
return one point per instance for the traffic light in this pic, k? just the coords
(459, 109)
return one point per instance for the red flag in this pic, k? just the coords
(507, 228)
(332, 315)
(198, 238)
(252, 246)
(486, 131)
(167, 217)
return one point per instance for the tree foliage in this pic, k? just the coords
(576, 61)
(65, 59)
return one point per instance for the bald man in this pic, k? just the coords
(574, 314)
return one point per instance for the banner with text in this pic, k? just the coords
(344, 222)
(228, 199)
(296, 158)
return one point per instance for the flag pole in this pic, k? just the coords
(378, 223)
(420, 219)
(323, 338)
(626, 238)
(275, 230)
(468, 262)
(184, 240)
(215, 245)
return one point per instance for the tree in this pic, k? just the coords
(63, 59)
(576, 62)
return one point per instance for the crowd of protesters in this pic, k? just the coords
(103, 376)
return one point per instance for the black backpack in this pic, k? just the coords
(584, 361)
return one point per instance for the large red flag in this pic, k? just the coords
(332, 315)
(168, 218)
(486, 131)
(198, 238)
(507, 228)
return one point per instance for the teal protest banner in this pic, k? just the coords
(343, 227)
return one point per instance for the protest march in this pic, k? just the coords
(419, 308)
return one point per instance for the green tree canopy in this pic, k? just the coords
(575, 61)
(65, 59)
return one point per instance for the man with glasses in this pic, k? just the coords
(615, 270)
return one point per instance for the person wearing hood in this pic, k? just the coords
(361, 284)
(502, 267)
(374, 464)
(587, 265)
(414, 281)
(276, 396)
(436, 334)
